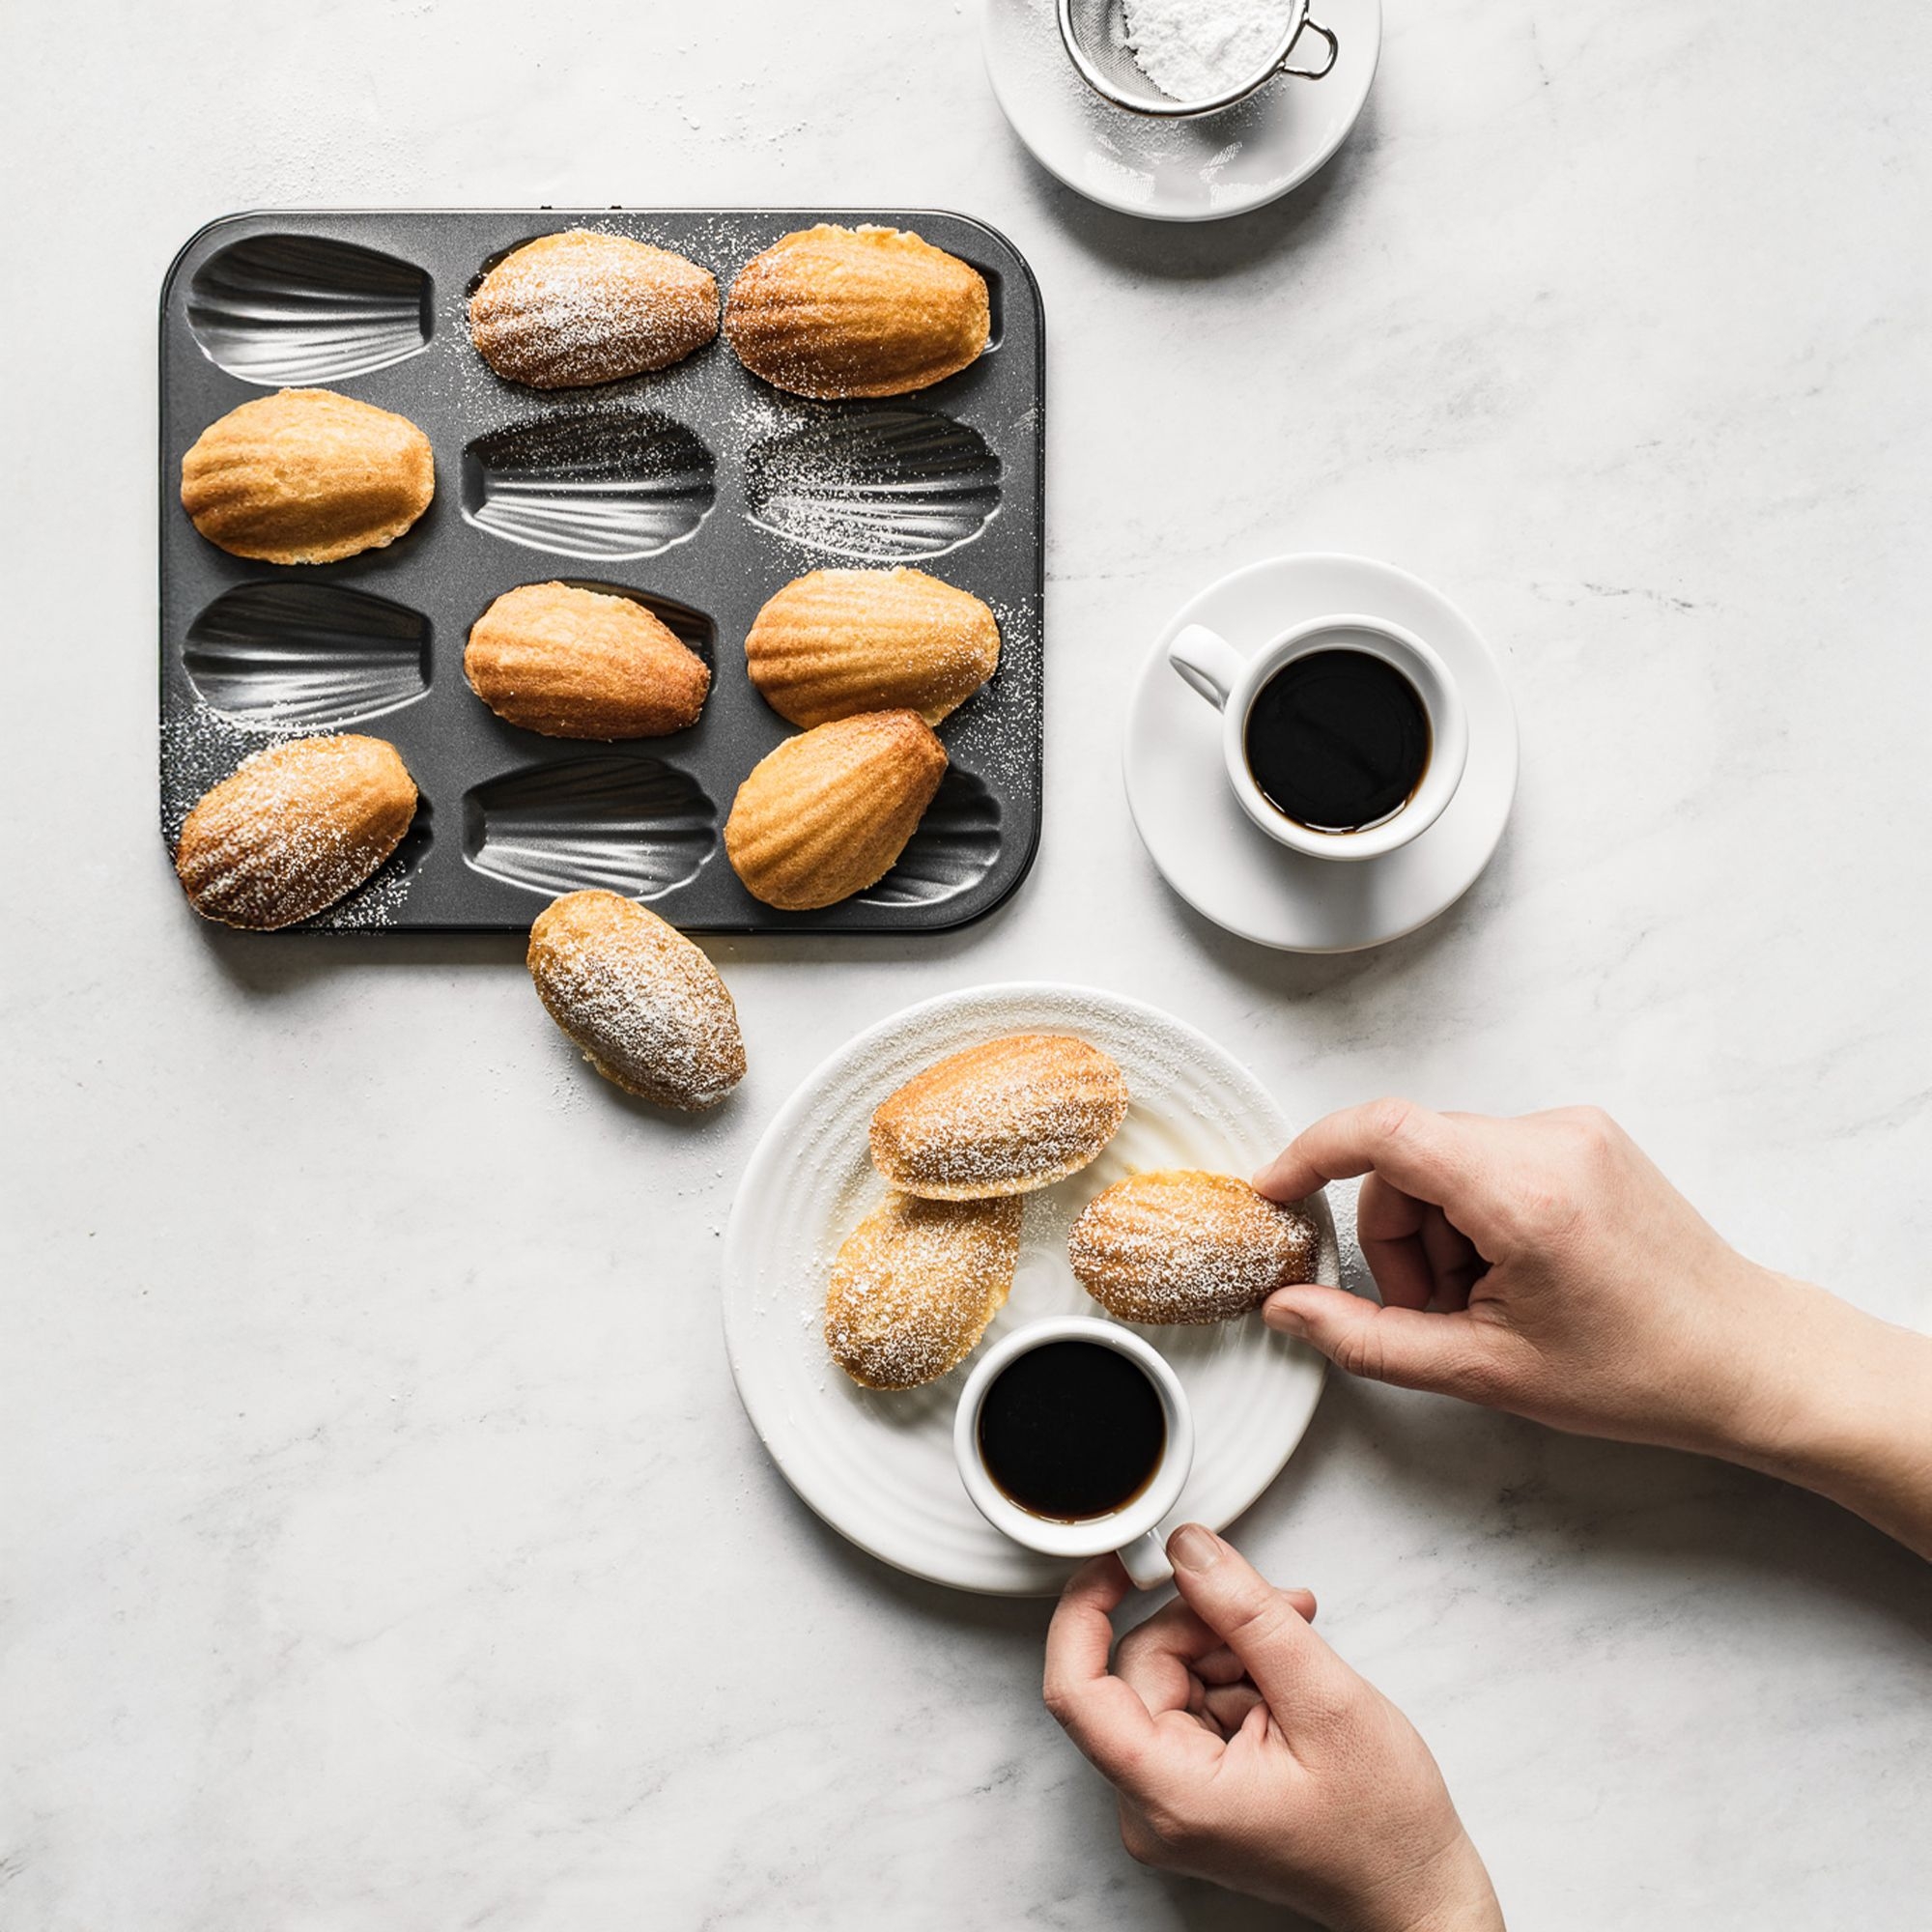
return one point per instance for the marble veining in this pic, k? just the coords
(383, 1545)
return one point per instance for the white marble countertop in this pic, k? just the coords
(383, 1545)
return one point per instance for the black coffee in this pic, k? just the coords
(1338, 740)
(1071, 1430)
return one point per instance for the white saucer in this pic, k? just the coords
(1229, 869)
(879, 1467)
(1176, 170)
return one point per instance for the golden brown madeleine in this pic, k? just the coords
(833, 312)
(1182, 1246)
(1004, 1118)
(295, 829)
(644, 1005)
(915, 1285)
(578, 664)
(828, 812)
(576, 308)
(306, 476)
(841, 642)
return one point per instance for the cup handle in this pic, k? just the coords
(1208, 662)
(1146, 1559)
(1311, 25)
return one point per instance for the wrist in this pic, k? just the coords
(1839, 1402)
(1451, 1893)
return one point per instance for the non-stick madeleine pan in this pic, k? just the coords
(698, 489)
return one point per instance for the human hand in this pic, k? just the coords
(1244, 1750)
(1541, 1265)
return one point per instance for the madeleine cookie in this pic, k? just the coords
(828, 812)
(578, 664)
(296, 827)
(568, 310)
(645, 1007)
(836, 643)
(915, 1285)
(833, 312)
(306, 476)
(1004, 1118)
(1179, 1246)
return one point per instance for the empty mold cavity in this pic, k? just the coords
(636, 826)
(957, 844)
(602, 485)
(880, 483)
(309, 656)
(300, 308)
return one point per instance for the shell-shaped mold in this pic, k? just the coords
(957, 844)
(636, 826)
(601, 485)
(885, 484)
(306, 655)
(278, 309)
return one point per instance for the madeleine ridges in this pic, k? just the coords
(829, 812)
(1178, 1245)
(915, 1285)
(296, 827)
(571, 663)
(831, 312)
(644, 1005)
(836, 643)
(306, 476)
(1005, 1116)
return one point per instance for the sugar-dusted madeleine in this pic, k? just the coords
(306, 476)
(645, 1007)
(841, 642)
(1181, 1247)
(1003, 1117)
(915, 1285)
(296, 827)
(833, 312)
(828, 812)
(571, 309)
(579, 664)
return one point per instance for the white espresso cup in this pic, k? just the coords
(1228, 680)
(1138, 1531)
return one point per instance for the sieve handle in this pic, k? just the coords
(1311, 25)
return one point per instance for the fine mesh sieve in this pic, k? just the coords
(1096, 33)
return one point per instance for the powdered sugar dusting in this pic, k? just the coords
(1004, 1118)
(577, 308)
(915, 1283)
(1179, 1246)
(644, 1005)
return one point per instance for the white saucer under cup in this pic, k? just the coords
(1221, 164)
(1229, 869)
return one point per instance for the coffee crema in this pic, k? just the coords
(1337, 740)
(1071, 1431)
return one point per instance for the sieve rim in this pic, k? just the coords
(1164, 108)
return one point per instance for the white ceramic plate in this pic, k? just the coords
(879, 1467)
(1176, 170)
(1224, 865)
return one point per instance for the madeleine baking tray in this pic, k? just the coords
(698, 489)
